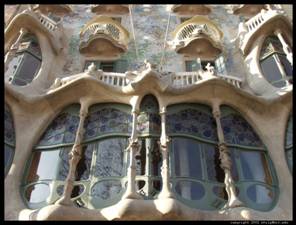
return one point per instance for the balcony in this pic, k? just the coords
(60, 10)
(245, 9)
(31, 20)
(198, 37)
(265, 22)
(103, 9)
(103, 36)
(191, 9)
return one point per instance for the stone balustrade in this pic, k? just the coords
(114, 79)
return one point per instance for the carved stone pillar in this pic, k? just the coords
(164, 140)
(74, 157)
(286, 48)
(131, 171)
(226, 163)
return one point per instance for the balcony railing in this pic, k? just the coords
(249, 28)
(184, 79)
(103, 25)
(114, 79)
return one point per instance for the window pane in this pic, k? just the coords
(287, 65)
(255, 166)
(187, 158)
(45, 165)
(8, 155)
(156, 159)
(190, 190)
(215, 172)
(270, 69)
(260, 194)
(106, 189)
(84, 164)
(110, 157)
(37, 193)
(141, 158)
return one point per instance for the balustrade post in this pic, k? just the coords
(226, 162)
(164, 140)
(131, 171)
(286, 48)
(74, 158)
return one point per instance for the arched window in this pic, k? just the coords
(100, 176)
(49, 164)
(275, 66)
(107, 129)
(196, 175)
(9, 139)
(148, 158)
(252, 169)
(289, 144)
(26, 62)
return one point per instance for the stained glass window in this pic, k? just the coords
(197, 177)
(252, 169)
(9, 139)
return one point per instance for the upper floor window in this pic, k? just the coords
(25, 64)
(9, 139)
(119, 66)
(274, 64)
(197, 64)
(252, 169)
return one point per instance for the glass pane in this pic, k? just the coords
(190, 190)
(110, 157)
(9, 135)
(106, 189)
(8, 155)
(84, 164)
(220, 192)
(260, 194)
(37, 193)
(156, 159)
(157, 185)
(44, 165)
(234, 172)
(63, 169)
(255, 166)
(289, 132)
(187, 158)
(194, 122)
(270, 69)
(77, 190)
(289, 156)
(215, 172)
(287, 65)
(140, 158)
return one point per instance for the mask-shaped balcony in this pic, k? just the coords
(59, 10)
(191, 9)
(198, 37)
(267, 21)
(247, 10)
(103, 9)
(103, 36)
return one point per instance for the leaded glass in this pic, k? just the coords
(190, 190)
(193, 122)
(107, 120)
(84, 164)
(110, 157)
(238, 131)
(106, 189)
(271, 45)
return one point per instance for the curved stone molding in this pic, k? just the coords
(105, 9)
(32, 21)
(191, 9)
(264, 22)
(103, 36)
(197, 37)
(60, 10)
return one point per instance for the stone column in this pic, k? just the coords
(226, 163)
(164, 140)
(74, 157)
(286, 48)
(131, 171)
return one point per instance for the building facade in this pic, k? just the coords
(148, 112)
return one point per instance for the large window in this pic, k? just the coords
(119, 66)
(252, 169)
(100, 177)
(275, 67)
(25, 64)
(198, 64)
(9, 139)
(196, 175)
(148, 158)
(289, 143)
